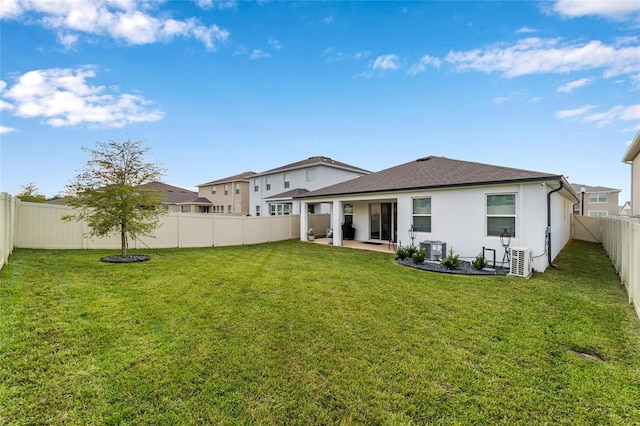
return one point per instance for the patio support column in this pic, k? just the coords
(336, 220)
(304, 221)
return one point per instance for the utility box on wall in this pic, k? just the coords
(435, 250)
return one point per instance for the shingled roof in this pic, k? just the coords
(244, 176)
(315, 161)
(589, 189)
(432, 173)
(172, 194)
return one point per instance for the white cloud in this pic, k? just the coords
(537, 56)
(615, 114)
(275, 44)
(421, 65)
(5, 130)
(62, 97)
(616, 9)
(219, 4)
(519, 96)
(572, 85)
(526, 30)
(386, 62)
(337, 55)
(258, 54)
(571, 113)
(126, 20)
(328, 19)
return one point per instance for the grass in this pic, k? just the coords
(297, 333)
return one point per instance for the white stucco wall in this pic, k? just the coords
(458, 217)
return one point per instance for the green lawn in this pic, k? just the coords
(298, 333)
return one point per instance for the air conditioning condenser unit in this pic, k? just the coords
(521, 260)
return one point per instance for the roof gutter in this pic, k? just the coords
(548, 231)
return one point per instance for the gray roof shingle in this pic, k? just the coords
(431, 173)
(315, 161)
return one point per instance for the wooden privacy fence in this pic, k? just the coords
(40, 226)
(621, 241)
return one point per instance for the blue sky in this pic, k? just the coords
(216, 88)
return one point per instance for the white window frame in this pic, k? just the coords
(311, 175)
(597, 198)
(415, 215)
(267, 182)
(226, 190)
(213, 190)
(256, 185)
(280, 209)
(237, 188)
(287, 181)
(598, 213)
(257, 210)
(513, 215)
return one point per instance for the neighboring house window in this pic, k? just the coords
(204, 209)
(311, 175)
(257, 210)
(597, 198)
(237, 188)
(229, 209)
(255, 185)
(598, 213)
(311, 208)
(286, 180)
(267, 181)
(501, 214)
(422, 214)
(213, 190)
(226, 190)
(280, 209)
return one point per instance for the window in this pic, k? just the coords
(213, 190)
(598, 213)
(229, 209)
(257, 210)
(501, 214)
(286, 180)
(237, 188)
(311, 175)
(255, 185)
(267, 181)
(422, 214)
(226, 190)
(597, 198)
(204, 209)
(280, 209)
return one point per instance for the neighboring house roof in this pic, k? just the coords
(173, 194)
(433, 173)
(244, 176)
(58, 201)
(289, 194)
(315, 161)
(199, 201)
(577, 187)
(633, 151)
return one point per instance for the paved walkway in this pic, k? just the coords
(361, 245)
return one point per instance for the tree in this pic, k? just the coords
(31, 193)
(108, 195)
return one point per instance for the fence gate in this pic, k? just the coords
(585, 228)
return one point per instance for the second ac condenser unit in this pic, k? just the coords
(520, 262)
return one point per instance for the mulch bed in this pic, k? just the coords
(129, 258)
(465, 268)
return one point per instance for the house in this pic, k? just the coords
(229, 195)
(596, 201)
(275, 191)
(466, 205)
(173, 195)
(625, 209)
(632, 157)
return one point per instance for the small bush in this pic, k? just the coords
(411, 250)
(452, 261)
(419, 255)
(402, 252)
(479, 262)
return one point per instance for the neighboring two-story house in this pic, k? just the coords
(596, 201)
(173, 195)
(229, 195)
(274, 192)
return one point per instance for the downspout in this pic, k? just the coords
(549, 222)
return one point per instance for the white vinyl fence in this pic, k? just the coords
(39, 225)
(585, 228)
(7, 226)
(621, 241)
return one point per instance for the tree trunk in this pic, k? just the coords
(123, 238)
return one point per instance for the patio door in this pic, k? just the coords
(382, 223)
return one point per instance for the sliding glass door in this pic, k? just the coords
(382, 221)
